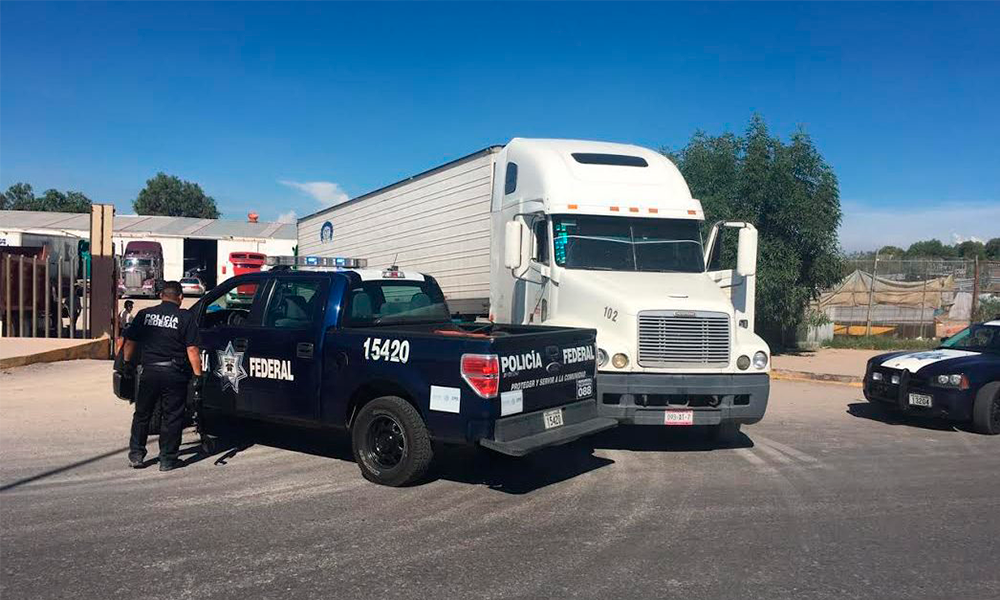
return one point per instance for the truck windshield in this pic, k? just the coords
(139, 262)
(628, 244)
(388, 302)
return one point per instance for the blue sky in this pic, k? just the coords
(283, 108)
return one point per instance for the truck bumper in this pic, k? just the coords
(520, 434)
(645, 398)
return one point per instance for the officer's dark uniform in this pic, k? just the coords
(163, 332)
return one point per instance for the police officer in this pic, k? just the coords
(168, 337)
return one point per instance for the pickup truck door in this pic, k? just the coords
(227, 318)
(284, 360)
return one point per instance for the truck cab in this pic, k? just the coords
(604, 235)
(374, 351)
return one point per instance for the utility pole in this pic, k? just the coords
(871, 297)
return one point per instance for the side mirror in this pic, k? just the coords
(513, 236)
(746, 258)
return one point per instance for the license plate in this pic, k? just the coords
(921, 400)
(678, 417)
(552, 418)
(584, 388)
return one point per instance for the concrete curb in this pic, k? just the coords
(99, 348)
(788, 375)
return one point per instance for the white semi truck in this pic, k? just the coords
(587, 234)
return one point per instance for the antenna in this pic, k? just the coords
(394, 266)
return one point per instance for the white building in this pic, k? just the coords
(188, 243)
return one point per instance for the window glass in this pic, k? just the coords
(628, 244)
(614, 160)
(510, 181)
(232, 307)
(386, 302)
(977, 338)
(541, 254)
(294, 304)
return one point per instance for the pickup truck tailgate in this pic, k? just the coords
(546, 369)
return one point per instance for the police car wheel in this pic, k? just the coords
(390, 442)
(986, 410)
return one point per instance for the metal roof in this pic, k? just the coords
(187, 227)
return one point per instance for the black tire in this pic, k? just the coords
(390, 442)
(724, 433)
(986, 410)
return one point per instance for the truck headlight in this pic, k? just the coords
(620, 361)
(956, 381)
(743, 362)
(602, 357)
(759, 360)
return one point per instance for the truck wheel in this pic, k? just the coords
(724, 433)
(390, 442)
(986, 410)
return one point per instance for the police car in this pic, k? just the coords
(328, 342)
(960, 380)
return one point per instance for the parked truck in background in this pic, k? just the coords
(586, 234)
(141, 269)
(242, 263)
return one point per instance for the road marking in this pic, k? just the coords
(752, 458)
(788, 450)
(775, 454)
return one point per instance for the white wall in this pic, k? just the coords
(10, 238)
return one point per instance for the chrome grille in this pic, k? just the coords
(672, 338)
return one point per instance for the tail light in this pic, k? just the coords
(482, 373)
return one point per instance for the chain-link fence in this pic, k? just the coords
(911, 298)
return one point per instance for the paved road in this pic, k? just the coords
(822, 500)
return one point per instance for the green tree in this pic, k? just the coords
(930, 249)
(789, 192)
(167, 195)
(20, 196)
(993, 249)
(971, 249)
(891, 251)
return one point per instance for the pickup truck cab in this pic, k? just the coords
(375, 352)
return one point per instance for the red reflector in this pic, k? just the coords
(633, 209)
(571, 206)
(614, 209)
(482, 373)
(692, 212)
(654, 210)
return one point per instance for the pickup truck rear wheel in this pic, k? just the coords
(986, 410)
(390, 442)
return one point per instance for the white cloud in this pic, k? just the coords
(326, 193)
(288, 217)
(867, 227)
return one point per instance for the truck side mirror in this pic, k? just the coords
(513, 236)
(746, 258)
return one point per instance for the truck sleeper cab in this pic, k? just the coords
(375, 352)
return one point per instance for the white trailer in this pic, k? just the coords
(580, 233)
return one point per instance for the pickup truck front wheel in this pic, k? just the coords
(390, 442)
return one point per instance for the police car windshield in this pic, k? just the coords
(388, 302)
(977, 338)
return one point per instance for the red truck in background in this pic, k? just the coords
(242, 263)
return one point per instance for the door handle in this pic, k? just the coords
(304, 350)
(240, 344)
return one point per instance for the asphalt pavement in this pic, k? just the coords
(823, 499)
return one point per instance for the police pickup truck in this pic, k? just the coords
(375, 352)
